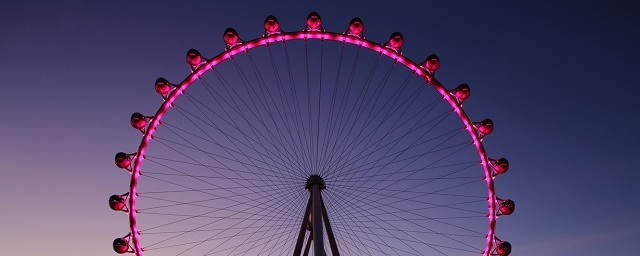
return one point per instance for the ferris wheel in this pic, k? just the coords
(311, 143)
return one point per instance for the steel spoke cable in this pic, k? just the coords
(253, 112)
(360, 209)
(236, 170)
(351, 173)
(283, 95)
(359, 102)
(299, 123)
(395, 126)
(330, 125)
(375, 191)
(317, 152)
(278, 213)
(391, 235)
(309, 115)
(360, 179)
(217, 197)
(234, 235)
(200, 179)
(166, 143)
(283, 120)
(388, 163)
(189, 217)
(230, 138)
(360, 227)
(258, 205)
(249, 124)
(424, 168)
(261, 83)
(343, 104)
(397, 140)
(444, 189)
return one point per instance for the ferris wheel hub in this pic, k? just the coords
(313, 180)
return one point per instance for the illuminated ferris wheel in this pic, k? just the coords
(311, 143)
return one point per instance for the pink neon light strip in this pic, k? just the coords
(135, 174)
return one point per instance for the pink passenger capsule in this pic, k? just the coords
(231, 38)
(462, 92)
(396, 40)
(116, 202)
(314, 22)
(503, 248)
(121, 245)
(356, 27)
(138, 121)
(485, 127)
(194, 58)
(163, 87)
(123, 160)
(432, 63)
(271, 26)
(507, 207)
(500, 166)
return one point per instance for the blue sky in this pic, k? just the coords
(558, 79)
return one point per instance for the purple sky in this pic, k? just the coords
(558, 80)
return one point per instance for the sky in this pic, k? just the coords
(558, 78)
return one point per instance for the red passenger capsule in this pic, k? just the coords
(432, 63)
(462, 92)
(485, 127)
(507, 207)
(356, 27)
(163, 87)
(116, 202)
(271, 26)
(121, 245)
(138, 121)
(231, 38)
(123, 160)
(314, 22)
(194, 58)
(500, 166)
(396, 40)
(503, 248)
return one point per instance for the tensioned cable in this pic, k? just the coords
(259, 148)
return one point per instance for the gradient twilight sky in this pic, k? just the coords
(558, 78)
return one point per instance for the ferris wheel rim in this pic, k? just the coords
(296, 36)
